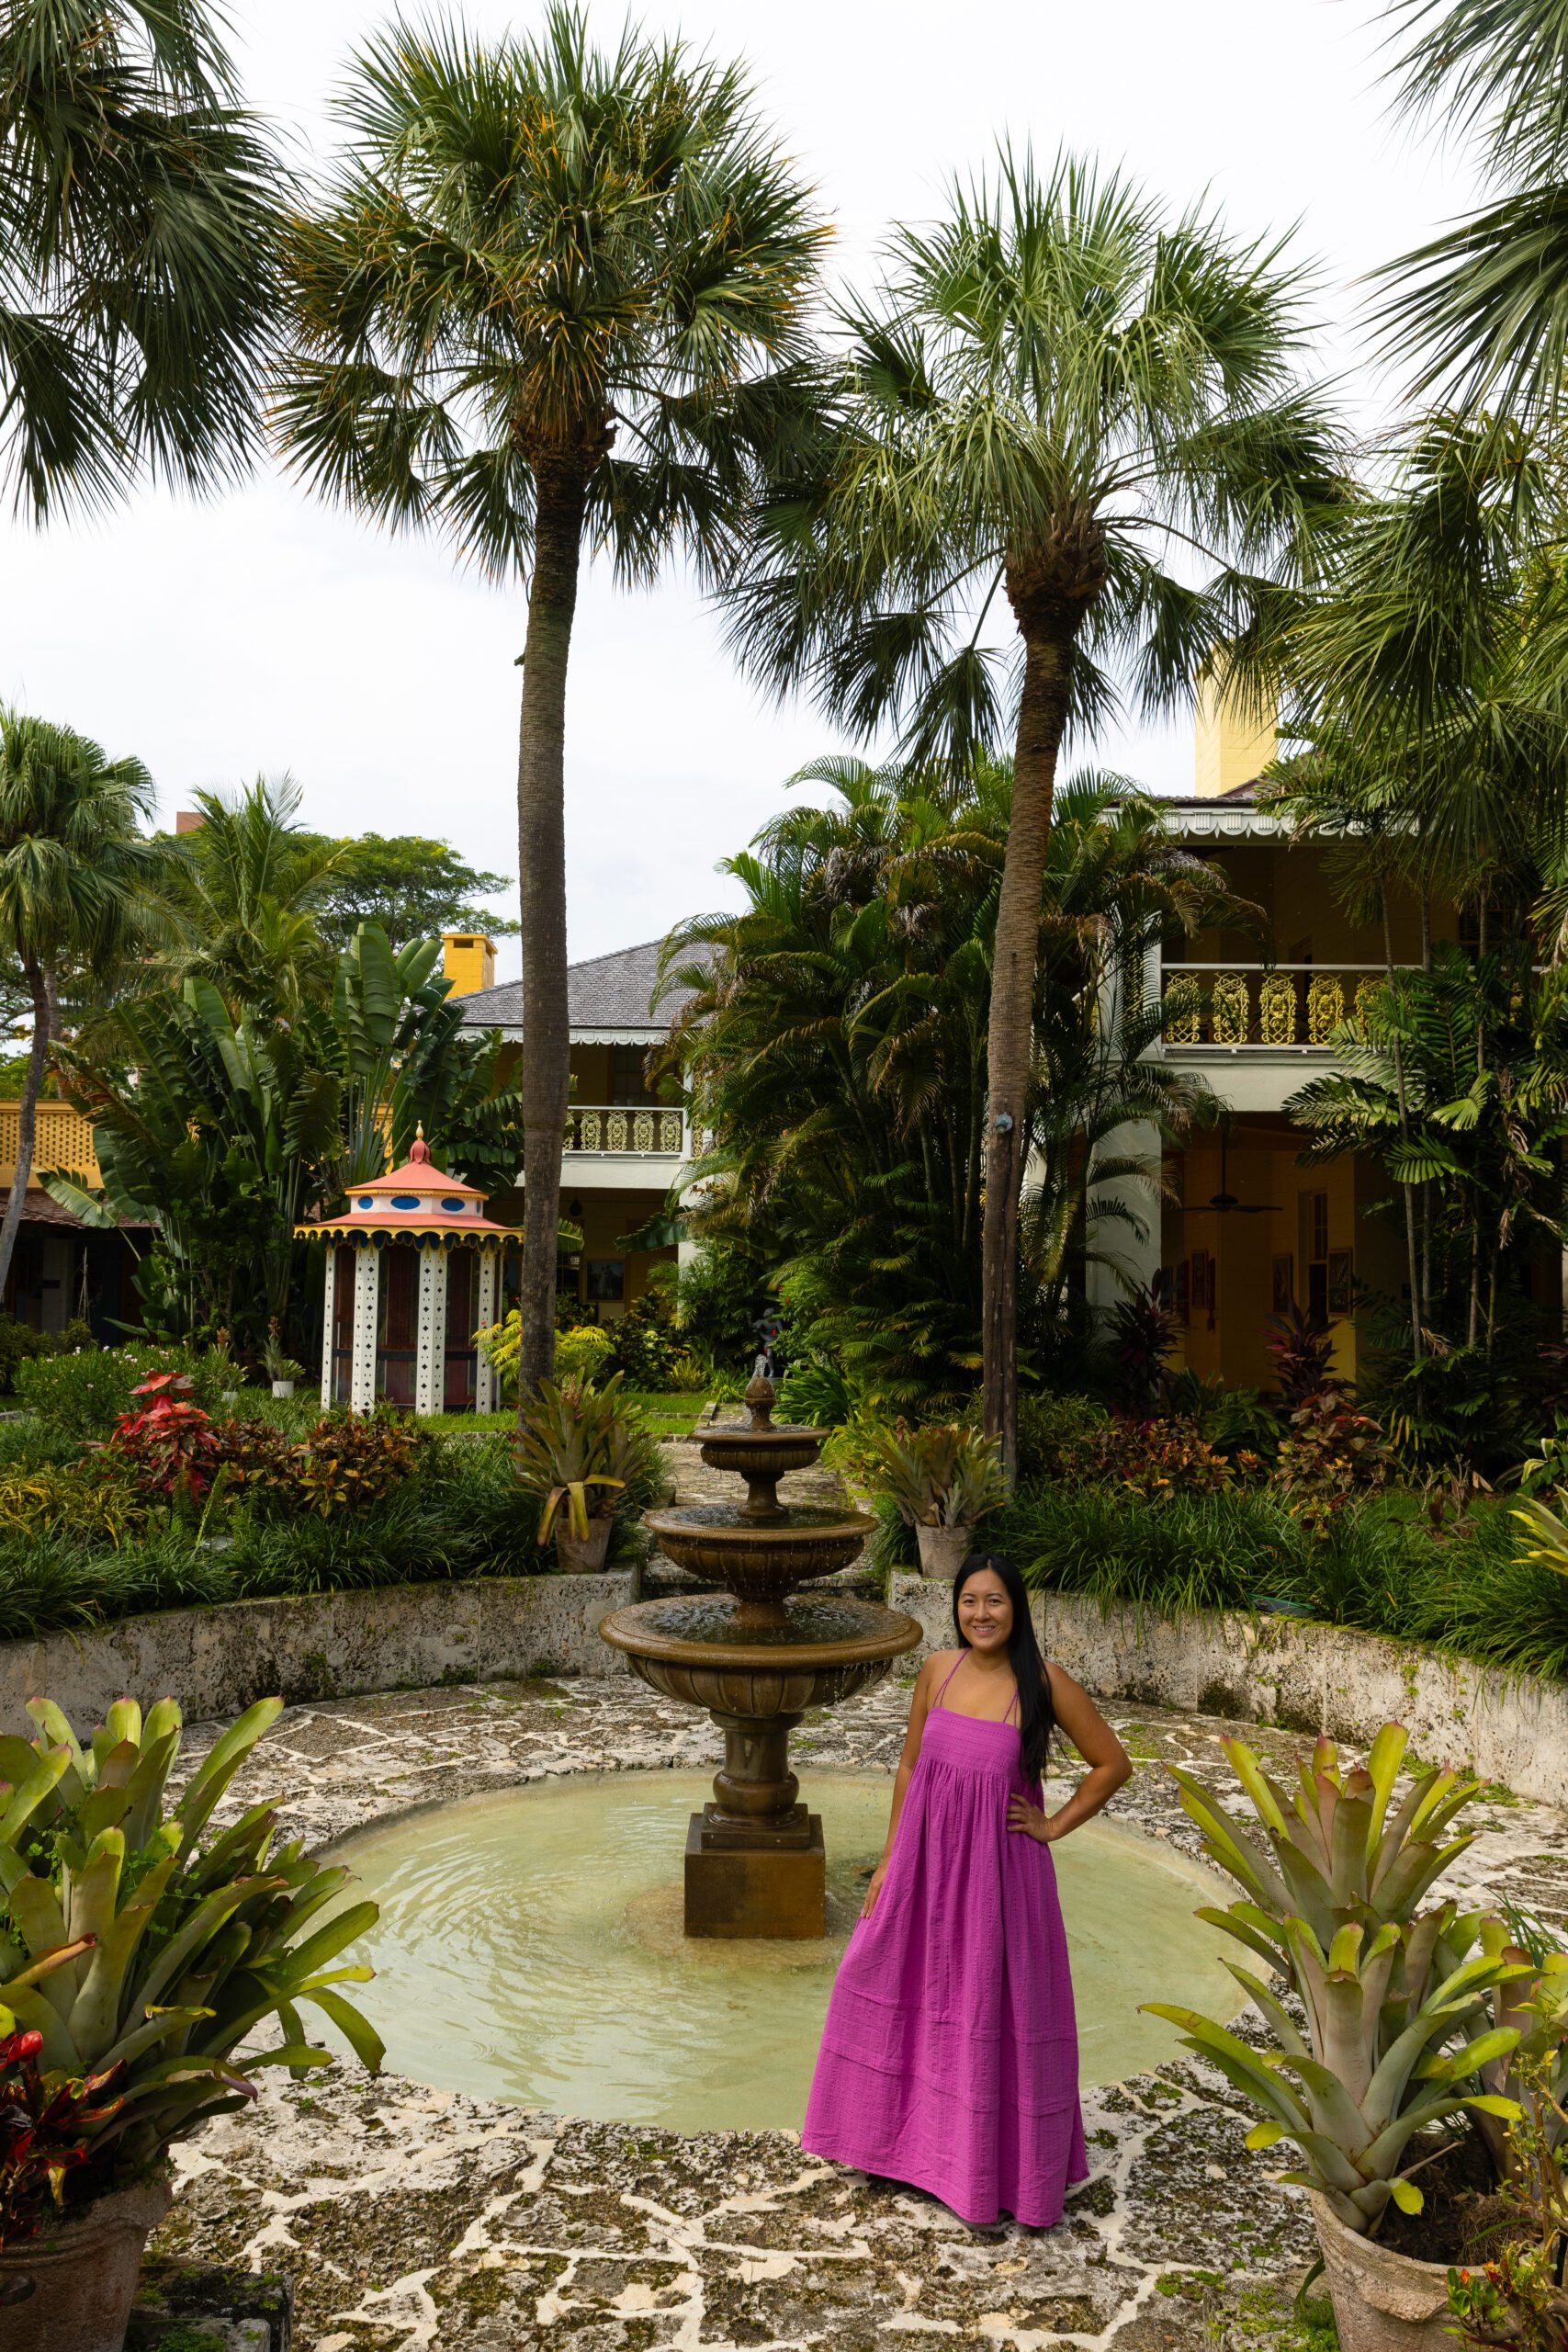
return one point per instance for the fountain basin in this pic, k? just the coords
(762, 1456)
(758, 1563)
(755, 1864)
(531, 1947)
(707, 1651)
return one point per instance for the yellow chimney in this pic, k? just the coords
(1235, 744)
(469, 962)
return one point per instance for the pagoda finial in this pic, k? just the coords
(421, 1152)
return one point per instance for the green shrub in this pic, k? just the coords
(582, 1352)
(1054, 1430)
(817, 1393)
(85, 1392)
(462, 1515)
(643, 1346)
(18, 1343)
(28, 1440)
(1233, 1420)
(723, 1290)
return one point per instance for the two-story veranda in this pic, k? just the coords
(1249, 1228)
(626, 1143)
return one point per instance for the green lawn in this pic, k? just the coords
(671, 1416)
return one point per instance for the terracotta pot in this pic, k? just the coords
(1383, 2302)
(584, 1556)
(943, 1550)
(71, 2289)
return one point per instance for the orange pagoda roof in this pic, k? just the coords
(416, 1202)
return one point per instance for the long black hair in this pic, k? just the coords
(1035, 1712)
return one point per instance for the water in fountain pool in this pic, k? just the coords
(714, 1619)
(530, 1949)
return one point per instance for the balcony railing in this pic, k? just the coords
(606, 1128)
(61, 1138)
(1262, 1008)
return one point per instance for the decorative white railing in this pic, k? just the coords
(1264, 1008)
(61, 1138)
(614, 1128)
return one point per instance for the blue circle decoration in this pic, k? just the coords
(458, 1207)
(366, 1201)
(407, 1201)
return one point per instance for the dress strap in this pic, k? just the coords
(947, 1679)
(1013, 1702)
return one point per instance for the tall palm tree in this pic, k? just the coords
(238, 898)
(550, 301)
(1426, 674)
(1488, 298)
(1065, 407)
(73, 866)
(834, 1040)
(137, 244)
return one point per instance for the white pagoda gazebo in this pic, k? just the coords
(412, 1258)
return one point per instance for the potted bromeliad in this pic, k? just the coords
(944, 1479)
(140, 1956)
(1403, 2020)
(582, 1451)
(280, 1367)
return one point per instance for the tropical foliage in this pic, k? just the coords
(1487, 299)
(139, 220)
(221, 1124)
(73, 876)
(143, 1948)
(1054, 385)
(835, 1042)
(553, 298)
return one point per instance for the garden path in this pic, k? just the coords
(415, 2221)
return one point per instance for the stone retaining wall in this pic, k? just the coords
(407, 1637)
(1302, 1676)
(320, 1646)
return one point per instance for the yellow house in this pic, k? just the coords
(1249, 1228)
(626, 1144)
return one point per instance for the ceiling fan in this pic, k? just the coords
(1225, 1203)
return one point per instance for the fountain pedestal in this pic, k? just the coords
(757, 1659)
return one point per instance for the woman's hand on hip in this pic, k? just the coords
(1029, 1819)
(874, 1890)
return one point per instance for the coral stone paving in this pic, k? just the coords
(410, 2218)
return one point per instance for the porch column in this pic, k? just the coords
(328, 1317)
(1134, 1255)
(484, 1315)
(430, 1373)
(367, 1310)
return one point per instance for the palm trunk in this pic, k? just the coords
(1042, 715)
(1405, 1138)
(560, 497)
(27, 1122)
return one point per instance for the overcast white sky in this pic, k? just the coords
(264, 632)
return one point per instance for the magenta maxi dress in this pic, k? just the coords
(950, 2055)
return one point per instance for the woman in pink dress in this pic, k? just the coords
(950, 2055)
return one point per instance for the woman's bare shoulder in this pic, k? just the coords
(935, 1667)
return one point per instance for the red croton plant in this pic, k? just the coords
(47, 2126)
(170, 1447)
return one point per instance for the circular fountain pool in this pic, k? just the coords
(530, 1949)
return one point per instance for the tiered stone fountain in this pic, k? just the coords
(757, 1659)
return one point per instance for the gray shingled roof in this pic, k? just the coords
(606, 992)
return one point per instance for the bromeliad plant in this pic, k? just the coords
(1398, 2024)
(944, 1475)
(578, 1448)
(48, 2123)
(145, 1959)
